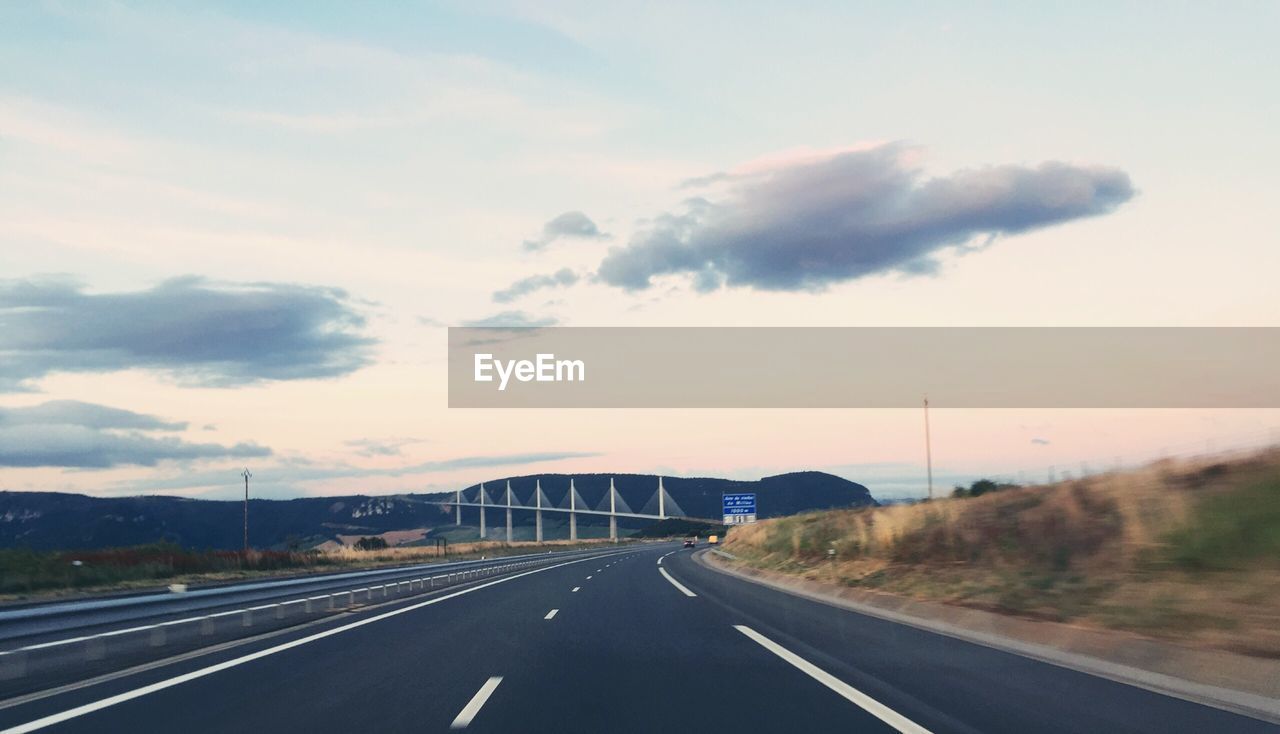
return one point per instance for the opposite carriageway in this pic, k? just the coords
(50, 644)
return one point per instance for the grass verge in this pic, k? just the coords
(1181, 550)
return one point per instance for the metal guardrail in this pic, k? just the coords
(30, 612)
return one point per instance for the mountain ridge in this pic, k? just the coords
(63, 520)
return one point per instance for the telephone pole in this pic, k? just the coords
(246, 474)
(928, 450)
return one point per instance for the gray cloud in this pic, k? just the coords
(68, 433)
(569, 224)
(204, 332)
(513, 318)
(87, 415)
(385, 447)
(698, 182)
(562, 278)
(1040, 441)
(282, 478)
(808, 225)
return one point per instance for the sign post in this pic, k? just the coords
(739, 508)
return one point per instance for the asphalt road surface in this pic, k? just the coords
(612, 642)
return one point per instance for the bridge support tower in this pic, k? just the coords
(508, 510)
(573, 515)
(613, 512)
(537, 517)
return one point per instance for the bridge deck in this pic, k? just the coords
(580, 511)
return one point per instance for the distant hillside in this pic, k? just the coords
(55, 520)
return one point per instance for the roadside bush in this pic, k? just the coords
(1231, 529)
(980, 487)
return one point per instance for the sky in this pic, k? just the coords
(233, 234)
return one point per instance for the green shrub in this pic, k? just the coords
(1230, 528)
(371, 544)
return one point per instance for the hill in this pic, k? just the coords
(56, 520)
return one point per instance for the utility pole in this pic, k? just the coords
(246, 474)
(928, 450)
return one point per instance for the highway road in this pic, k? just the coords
(633, 639)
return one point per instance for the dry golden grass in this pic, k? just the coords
(1185, 549)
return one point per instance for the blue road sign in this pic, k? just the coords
(739, 507)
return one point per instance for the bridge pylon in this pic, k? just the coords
(537, 502)
(508, 511)
(573, 515)
(613, 512)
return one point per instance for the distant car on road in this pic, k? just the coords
(690, 542)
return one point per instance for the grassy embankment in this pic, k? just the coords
(25, 573)
(1183, 550)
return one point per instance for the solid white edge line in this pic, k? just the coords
(848, 692)
(477, 701)
(675, 583)
(88, 708)
(551, 614)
